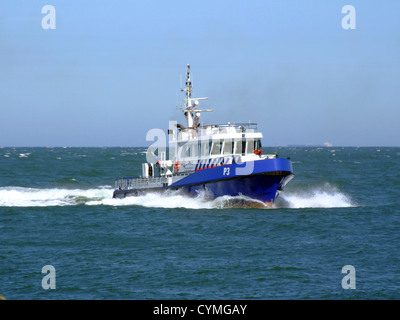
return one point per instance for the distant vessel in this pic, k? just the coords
(219, 159)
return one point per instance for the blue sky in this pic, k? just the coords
(110, 71)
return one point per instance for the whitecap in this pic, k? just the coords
(24, 155)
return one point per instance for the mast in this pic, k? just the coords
(189, 109)
(188, 84)
(188, 112)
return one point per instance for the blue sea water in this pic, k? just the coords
(56, 208)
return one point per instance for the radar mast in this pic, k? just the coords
(190, 110)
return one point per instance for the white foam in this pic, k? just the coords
(32, 197)
(156, 200)
(325, 196)
(175, 199)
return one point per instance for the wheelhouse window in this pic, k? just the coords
(228, 147)
(240, 146)
(250, 146)
(257, 144)
(188, 150)
(216, 148)
(205, 147)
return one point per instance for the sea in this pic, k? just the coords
(332, 234)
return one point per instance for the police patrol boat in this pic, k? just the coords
(218, 159)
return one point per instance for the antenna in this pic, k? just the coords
(188, 83)
(190, 110)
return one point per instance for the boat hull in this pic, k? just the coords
(260, 180)
(260, 187)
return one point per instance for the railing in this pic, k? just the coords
(226, 127)
(191, 133)
(151, 182)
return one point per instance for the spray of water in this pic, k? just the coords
(325, 196)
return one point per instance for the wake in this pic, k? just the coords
(33, 197)
(325, 196)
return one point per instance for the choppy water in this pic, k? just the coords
(56, 208)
